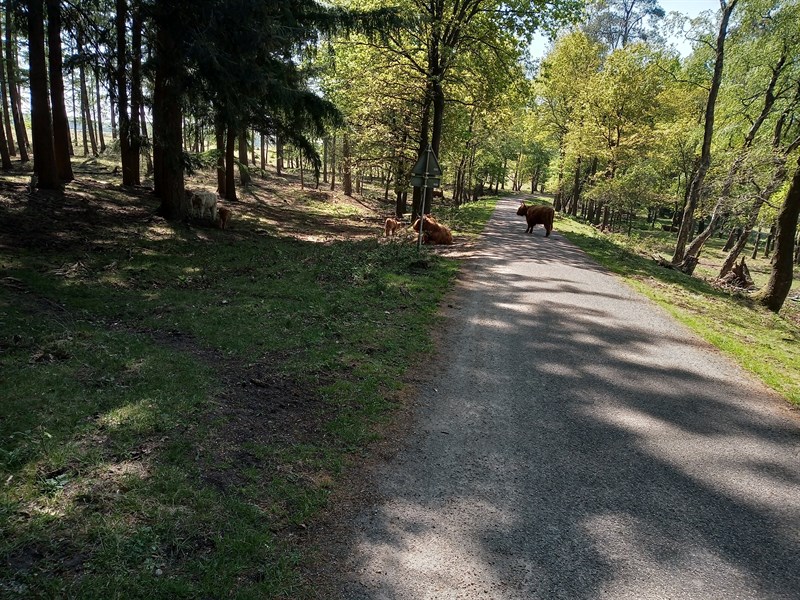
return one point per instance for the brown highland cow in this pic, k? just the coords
(537, 215)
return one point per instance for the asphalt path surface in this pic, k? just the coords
(576, 442)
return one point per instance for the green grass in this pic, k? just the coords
(138, 458)
(765, 344)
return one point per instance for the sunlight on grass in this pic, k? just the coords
(761, 342)
(183, 406)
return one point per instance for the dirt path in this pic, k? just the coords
(575, 442)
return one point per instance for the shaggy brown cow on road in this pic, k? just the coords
(537, 215)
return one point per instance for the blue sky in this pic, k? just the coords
(690, 8)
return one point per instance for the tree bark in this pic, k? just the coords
(333, 163)
(13, 93)
(695, 188)
(278, 155)
(774, 293)
(101, 136)
(61, 137)
(129, 158)
(347, 176)
(219, 136)
(167, 120)
(244, 172)
(263, 153)
(88, 126)
(325, 160)
(44, 157)
(6, 117)
(137, 97)
(230, 163)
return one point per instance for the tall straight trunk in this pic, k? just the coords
(263, 149)
(347, 175)
(333, 163)
(219, 136)
(325, 160)
(278, 154)
(6, 116)
(418, 196)
(302, 174)
(230, 162)
(128, 155)
(695, 188)
(13, 92)
(61, 137)
(558, 200)
(101, 136)
(576, 188)
(774, 293)
(44, 156)
(253, 147)
(244, 171)
(5, 157)
(168, 174)
(88, 127)
(145, 138)
(74, 111)
(137, 100)
(113, 111)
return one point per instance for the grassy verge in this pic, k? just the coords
(765, 344)
(177, 402)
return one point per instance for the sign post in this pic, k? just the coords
(425, 174)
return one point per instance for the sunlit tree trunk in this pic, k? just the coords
(774, 293)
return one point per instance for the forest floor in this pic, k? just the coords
(179, 400)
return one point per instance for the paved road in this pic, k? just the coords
(575, 442)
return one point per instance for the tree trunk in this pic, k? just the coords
(136, 122)
(347, 175)
(61, 137)
(44, 157)
(230, 163)
(5, 157)
(263, 148)
(13, 92)
(145, 140)
(6, 117)
(167, 120)
(86, 112)
(777, 289)
(219, 136)
(129, 158)
(278, 155)
(74, 111)
(101, 138)
(333, 163)
(695, 189)
(244, 171)
(325, 160)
